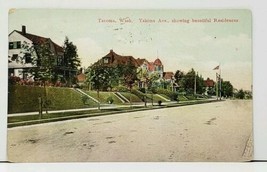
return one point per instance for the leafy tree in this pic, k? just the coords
(200, 84)
(211, 91)
(179, 76)
(188, 82)
(100, 77)
(129, 75)
(71, 62)
(43, 59)
(149, 79)
(227, 89)
(44, 63)
(240, 94)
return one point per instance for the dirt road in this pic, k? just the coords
(207, 132)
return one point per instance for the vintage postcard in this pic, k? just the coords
(129, 85)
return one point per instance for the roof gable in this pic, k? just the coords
(38, 40)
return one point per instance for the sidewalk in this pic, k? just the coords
(102, 106)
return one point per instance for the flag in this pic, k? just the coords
(217, 67)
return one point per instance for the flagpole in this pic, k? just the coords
(217, 81)
(220, 82)
(217, 85)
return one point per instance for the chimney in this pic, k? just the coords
(23, 30)
(112, 55)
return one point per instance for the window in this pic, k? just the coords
(18, 44)
(105, 60)
(15, 45)
(14, 57)
(10, 45)
(28, 58)
(60, 60)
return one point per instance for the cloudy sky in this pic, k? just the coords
(180, 45)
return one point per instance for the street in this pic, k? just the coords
(219, 131)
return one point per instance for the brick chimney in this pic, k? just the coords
(112, 55)
(23, 30)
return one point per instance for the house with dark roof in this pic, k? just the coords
(20, 54)
(209, 83)
(113, 59)
(210, 86)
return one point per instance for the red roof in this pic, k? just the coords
(81, 77)
(209, 83)
(157, 62)
(168, 75)
(151, 66)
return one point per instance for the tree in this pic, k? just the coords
(200, 85)
(44, 69)
(188, 81)
(240, 94)
(129, 77)
(178, 77)
(149, 79)
(128, 74)
(43, 59)
(227, 89)
(71, 62)
(100, 77)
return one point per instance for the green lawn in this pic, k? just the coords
(129, 96)
(103, 96)
(156, 98)
(25, 98)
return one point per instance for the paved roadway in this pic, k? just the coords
(207, 132)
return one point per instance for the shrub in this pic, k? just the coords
(85, 99)
(110, 100)
(120, 88)
(13, 80)
(172, 95)
(143, 90)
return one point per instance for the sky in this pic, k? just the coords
(185, 40)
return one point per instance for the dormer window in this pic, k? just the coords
(106, 60)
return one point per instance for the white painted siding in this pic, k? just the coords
(19, 65)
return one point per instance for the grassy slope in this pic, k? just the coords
(25, 98)
(103, 96)
(132, 96)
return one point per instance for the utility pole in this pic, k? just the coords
(195, 85)
(217, 86)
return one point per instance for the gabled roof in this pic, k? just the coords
(40, 40)
(117, 59)
(168, 75)
(81, 77)
(141, 61)
(209, 83)
(151, 66)
(158, 62)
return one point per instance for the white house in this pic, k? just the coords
(21, 52)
